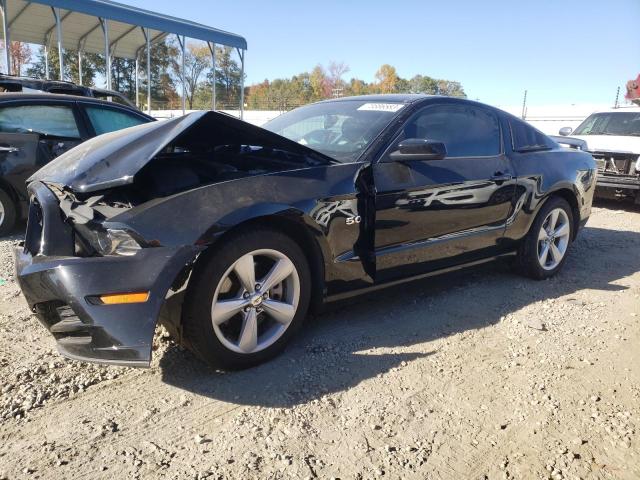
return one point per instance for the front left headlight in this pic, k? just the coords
(109, 241)
(116, 242)
(638, 164)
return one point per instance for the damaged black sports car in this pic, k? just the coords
(229, 233)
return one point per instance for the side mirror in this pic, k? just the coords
(419, 149)
(565, 131)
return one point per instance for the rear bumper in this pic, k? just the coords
(58, 290)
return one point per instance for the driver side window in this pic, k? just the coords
(466, 130)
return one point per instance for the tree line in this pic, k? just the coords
(167, 81)
(323, 83)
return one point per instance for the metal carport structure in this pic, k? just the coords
(109, 28)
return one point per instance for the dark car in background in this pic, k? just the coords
(14, 84)
(35, 128)
(229, 233)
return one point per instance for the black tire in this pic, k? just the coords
(198, 332)
(9, 215)
(527, 260)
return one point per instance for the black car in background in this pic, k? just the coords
(229, 232)
(35, 128)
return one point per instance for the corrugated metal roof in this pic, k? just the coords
(33, 22)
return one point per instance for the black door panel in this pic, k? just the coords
(445, 212)
(22, 154)
(18, 153)
(431, 214)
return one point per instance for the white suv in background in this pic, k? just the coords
(613, 138)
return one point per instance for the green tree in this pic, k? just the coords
(163, 88)
(228, 79)
(450, 89)
(423, 84)
(357, 87)
(92, 65)
(197, 61)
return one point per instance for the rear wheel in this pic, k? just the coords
(247, 299)
(544, 249)
(8, 213)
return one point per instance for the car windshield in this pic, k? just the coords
(341, 129)
(611, 123)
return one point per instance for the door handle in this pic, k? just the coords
(500, 177)
(9, 149)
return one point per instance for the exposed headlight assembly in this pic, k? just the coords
(110, 241)
(116, 242)
(638, 164)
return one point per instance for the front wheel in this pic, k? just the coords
(247, 299)
(544, 249)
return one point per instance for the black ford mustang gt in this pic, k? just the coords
(229, 233)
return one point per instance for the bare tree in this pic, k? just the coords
(336, 71)
(20, 54)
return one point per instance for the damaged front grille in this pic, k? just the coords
(616, 162)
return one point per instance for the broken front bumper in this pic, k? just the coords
(619, 181)
(60, 290)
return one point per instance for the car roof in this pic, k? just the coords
(632, 109)
(16, 96)
(411, 98)
(384, 97)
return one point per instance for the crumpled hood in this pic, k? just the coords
(114, 158)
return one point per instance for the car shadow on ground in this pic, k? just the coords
(375, 333)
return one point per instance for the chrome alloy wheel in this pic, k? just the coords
(1, 213)
(255, 301)
(553, 239)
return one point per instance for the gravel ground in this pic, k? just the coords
(480, 374)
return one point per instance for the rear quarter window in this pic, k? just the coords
(105, 120)
(525, 138)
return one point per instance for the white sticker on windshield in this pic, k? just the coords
(382, 107)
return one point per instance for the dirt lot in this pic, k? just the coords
(481, 374)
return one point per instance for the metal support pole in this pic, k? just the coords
(79, 66)
(242, 53)
(182, 41)
(212, 49)
(56, 15)
(7, 39)
(137, 67)
(46, 59)
(147, 37)
(107, 51)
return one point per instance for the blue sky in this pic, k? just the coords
(563, 51)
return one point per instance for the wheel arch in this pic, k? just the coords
(570, 197)
(293, 224)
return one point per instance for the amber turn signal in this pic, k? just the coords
(116, 298)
